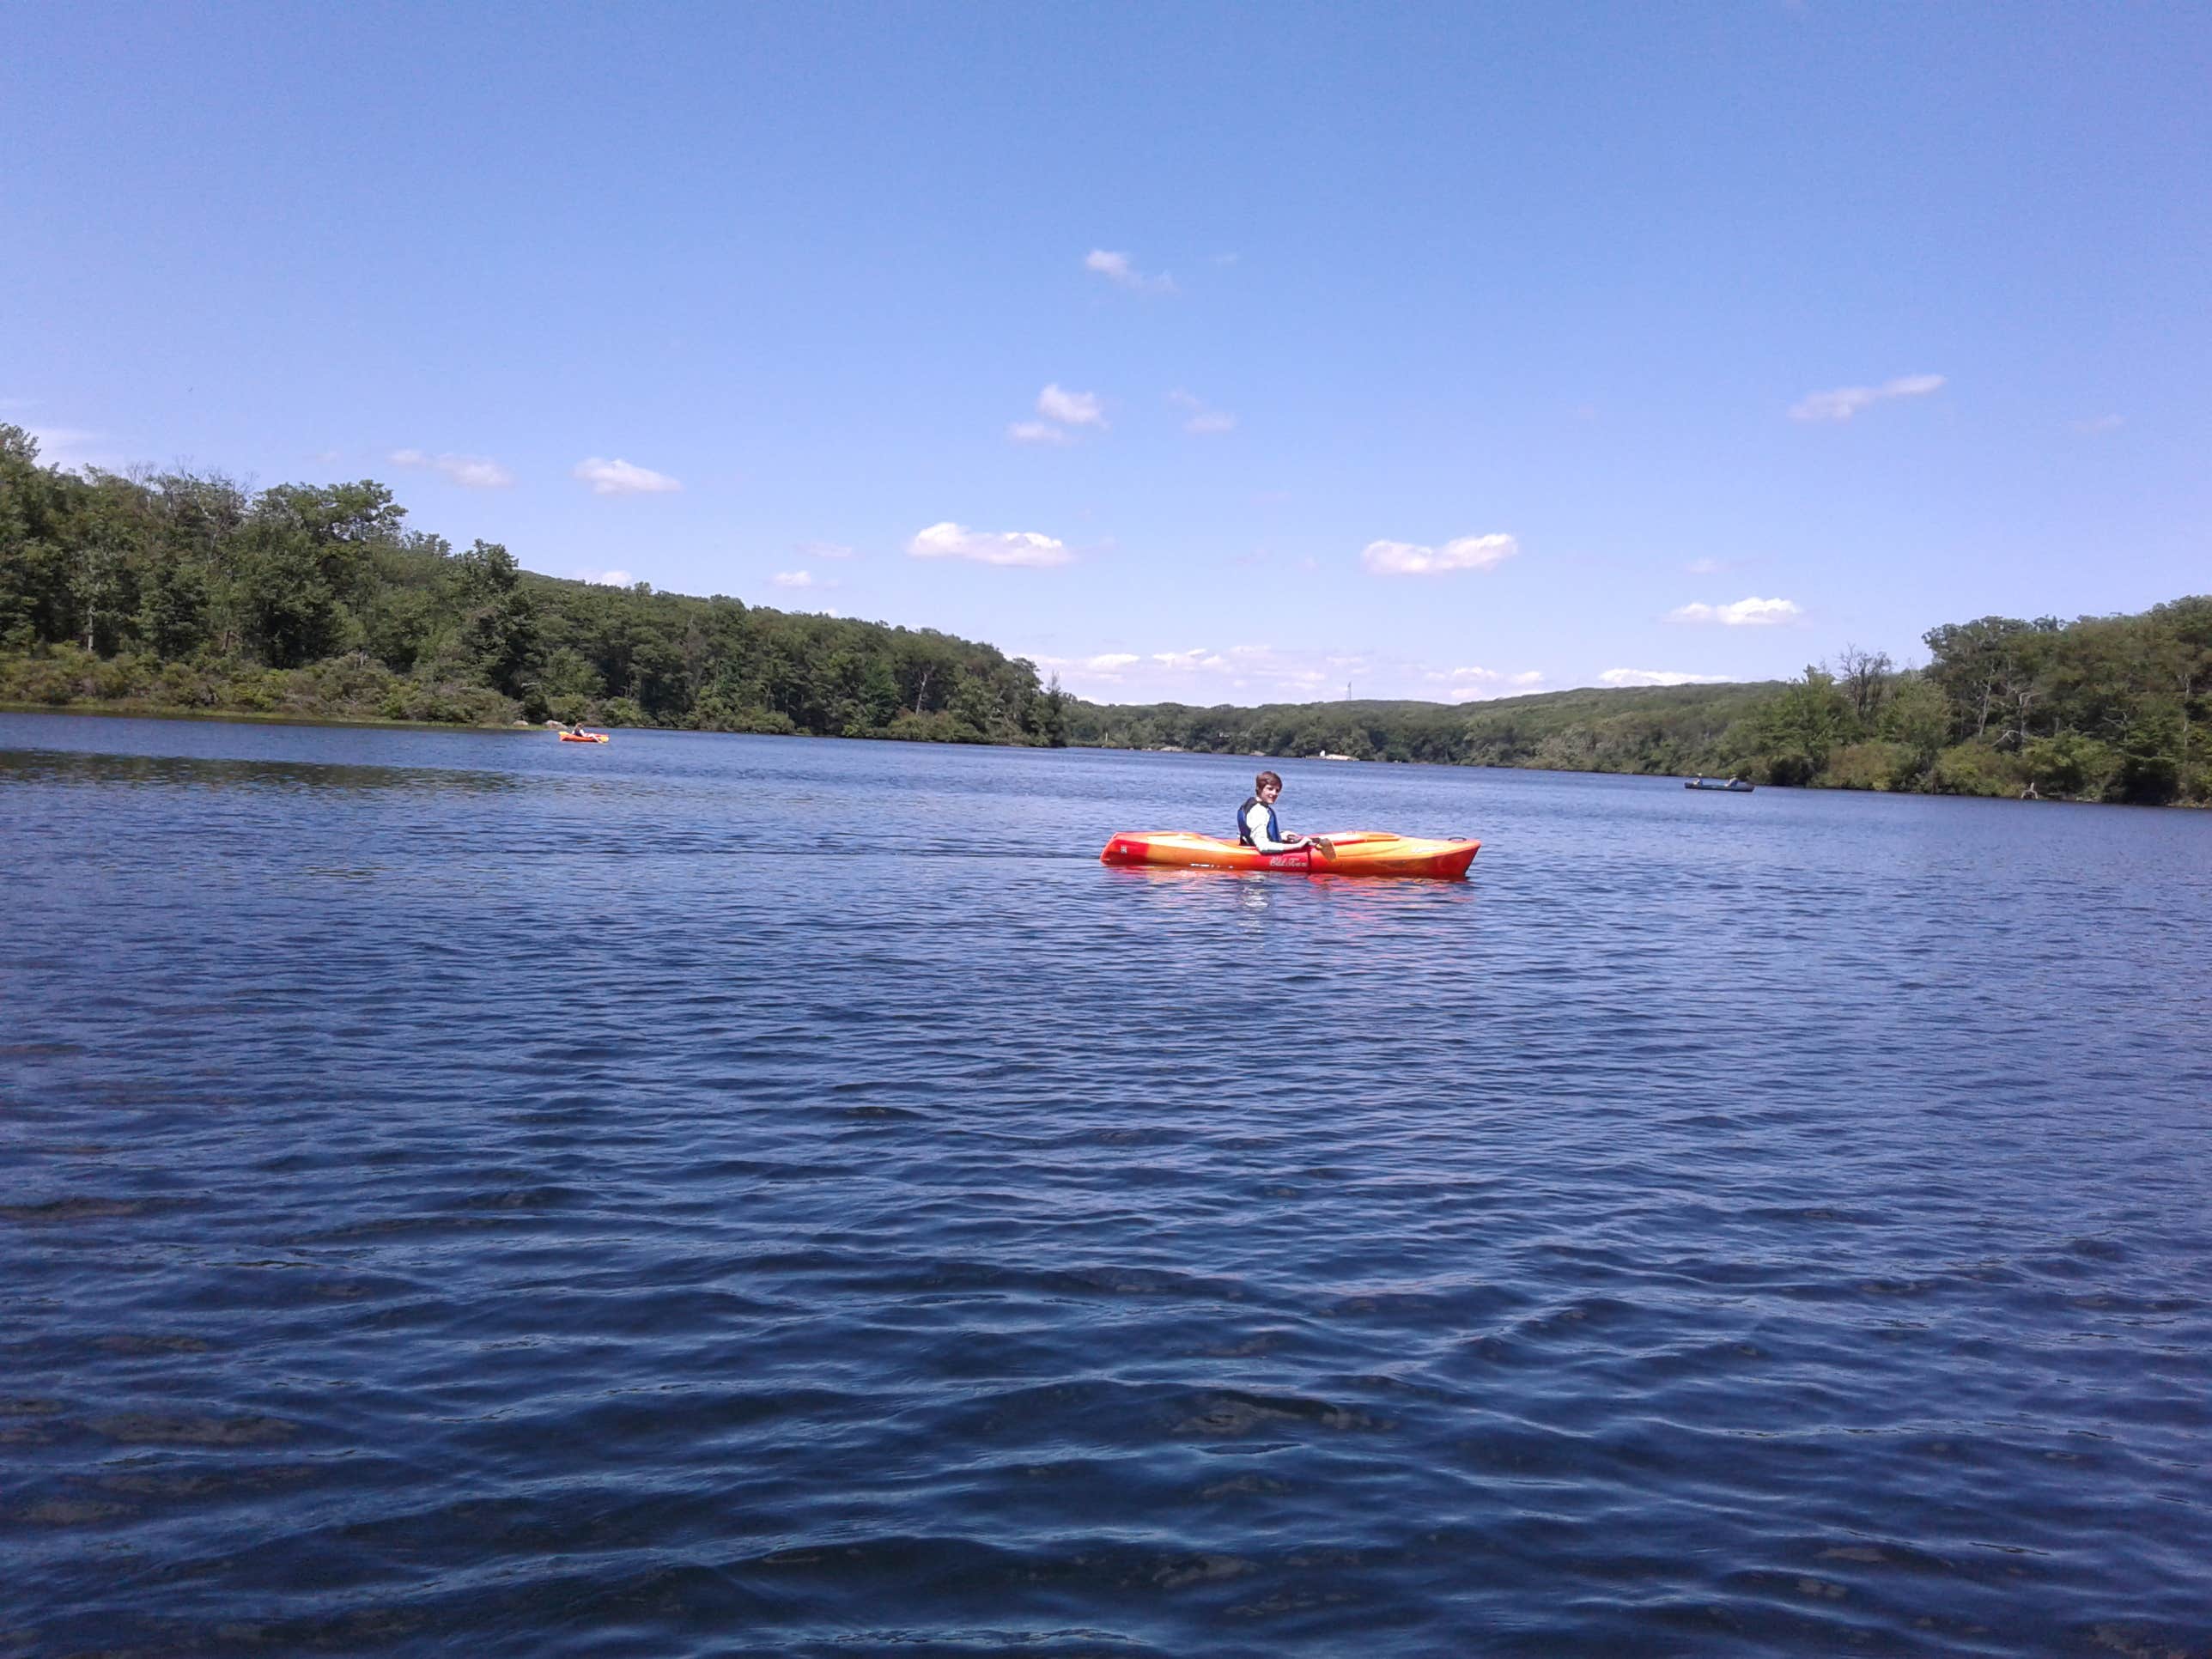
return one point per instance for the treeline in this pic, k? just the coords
(185, 590)
(2109, 708)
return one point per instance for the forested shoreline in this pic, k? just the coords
(2102, 709)
(184, 592)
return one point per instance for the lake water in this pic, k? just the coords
(466, 1194)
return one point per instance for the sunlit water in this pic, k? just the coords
(467, 1194)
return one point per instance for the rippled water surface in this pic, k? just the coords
(467, 1194)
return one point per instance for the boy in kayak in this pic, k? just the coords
(1255, 820)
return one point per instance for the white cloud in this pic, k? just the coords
(1205, 419)
(823, 551)
(1846, 401)
(2102, 423)
(1744, 613)
(1619, 677)
(1070, 408)
(1467, 553)
(1009, 547)
(606, 578)
(1705, 566)
(1038, 432)
(794, 579)
(1115, 268)
(475, 471)
(619, 478)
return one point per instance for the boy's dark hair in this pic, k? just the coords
(1264, 779)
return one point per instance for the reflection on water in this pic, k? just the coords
(31, 766)
(716, 1195)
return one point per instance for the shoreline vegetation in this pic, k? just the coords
(184, 594)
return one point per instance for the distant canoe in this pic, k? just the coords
(1726, 786)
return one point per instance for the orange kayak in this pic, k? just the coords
(585, 737)
(1356, 853)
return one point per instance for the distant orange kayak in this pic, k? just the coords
(585, 737)
(1356, 853)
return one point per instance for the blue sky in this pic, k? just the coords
(1232, 354)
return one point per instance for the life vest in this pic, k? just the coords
(1244, 830)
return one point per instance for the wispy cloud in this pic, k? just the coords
(2101, 423)
(1705, 567)
(71, 446)
(823, 551)
(619, 478)
(475, 471)
(604, 578)
(1115, 268)
(1410, 559)
(1476, 684)
(1262, 673)
(1007, 547)
(1069, 408)
(1744, 613)
(1620, 676)
(1065, 413)
(798, 579)
(1846, 401)
(1204, 418)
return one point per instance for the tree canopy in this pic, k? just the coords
(186, 590)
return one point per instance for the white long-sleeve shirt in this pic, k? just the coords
(1259, 823)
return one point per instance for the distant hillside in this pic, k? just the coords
(1641, 729)
(2110, 708)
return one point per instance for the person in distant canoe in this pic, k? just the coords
(1255, 820)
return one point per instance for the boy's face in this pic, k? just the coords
(1268, 792)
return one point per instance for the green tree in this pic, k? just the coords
(499, 621)
(1798, 728)
(173, 612)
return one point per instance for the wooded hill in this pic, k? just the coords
(185, 592)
